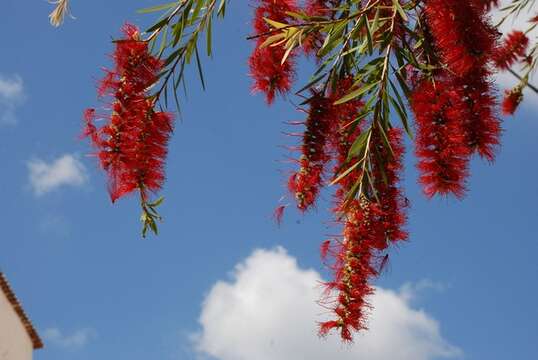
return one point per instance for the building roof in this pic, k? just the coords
(10, 295)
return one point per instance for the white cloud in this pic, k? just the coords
(66, 170)
(76, 340)
(268, 311)
(11, 96)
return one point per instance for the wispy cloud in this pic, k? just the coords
(75, 340)
(411, 290)
(67, 170)
(11, 97)
(268, 311)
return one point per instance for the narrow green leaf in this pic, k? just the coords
(344, 174)
(199, 66)
(399, 8)
(356, 93)
(158, 7)
(209, 36)
(358, 145)
(369, 36)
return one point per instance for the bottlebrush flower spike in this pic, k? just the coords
(512, 99)
(270, 75)
(307, 181)
(368, 228)
(463, 37)
(512, 49)
(483, 128)
(441, 143)
(132, 143)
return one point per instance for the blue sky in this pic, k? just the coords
(464, 286)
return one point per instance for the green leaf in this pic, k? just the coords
(358, 145)
(369, 36)
(222, 9)
(311, 83)
(164, 39)
(157, 202)
(208, 36)
(159, 7)
(275, 24)
(199, 66)
(344, 174)
(401, 109)
(356, 93)
(158, 25)
(399, 8)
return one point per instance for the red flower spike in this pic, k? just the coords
(483, 128)
(463, 37)
(132, 144)
(368, 229)
(270, 75)
(307, 181)
(511, 101)
(441, 144)
(512, 49)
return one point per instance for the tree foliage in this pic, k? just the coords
(384, 68)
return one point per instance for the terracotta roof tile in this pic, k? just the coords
(10, 295)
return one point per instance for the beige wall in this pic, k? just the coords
(15, 344)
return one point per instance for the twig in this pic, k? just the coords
(529, 85)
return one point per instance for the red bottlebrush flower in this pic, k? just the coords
(132, 144)
(513, 48)
(368, 229)
(462, 35)
(306, 183)
(386, 173)
(482, 125)
(512, 99)
(534, 19)
(441, 143)
(270, 75)
(321, 140)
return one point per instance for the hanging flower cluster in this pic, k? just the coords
(441, 144)
(132, 142)
(271, 76)
(442, 55)
(369, 227)
(454, 106)
(376, 61)
(307, 181)
(370, 223)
